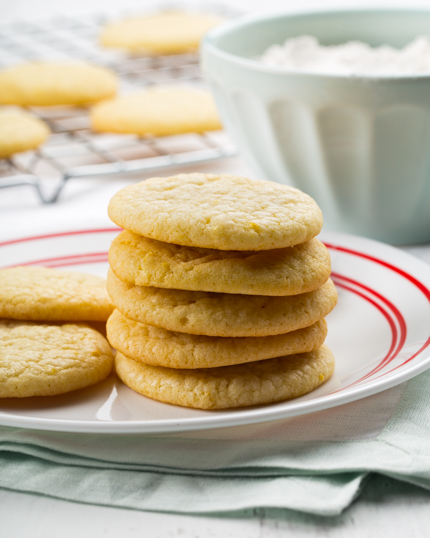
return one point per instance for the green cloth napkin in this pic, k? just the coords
(316, 463)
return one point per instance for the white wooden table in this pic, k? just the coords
(385, 508)
(390, 509)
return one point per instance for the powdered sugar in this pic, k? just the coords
(305, 54)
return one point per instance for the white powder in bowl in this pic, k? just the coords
(304, 53)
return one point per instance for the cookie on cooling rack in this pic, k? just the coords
(44, 360)
(159, 111)
(20, 131)
(261, 382)
(162, 33)
(56, 83)
(40, 293)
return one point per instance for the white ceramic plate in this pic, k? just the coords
(379, 334)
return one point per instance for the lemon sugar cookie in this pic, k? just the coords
(288, 271)
(40, 293)
(44, 360)
(221, 212)
(261, 382)
(20, 131)
(220, 314)
(162, 33)
(160, 111)
(56, 83)
(159, 347)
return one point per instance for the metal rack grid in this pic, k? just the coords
(73, 151)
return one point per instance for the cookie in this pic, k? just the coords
(158, 112)
(159, 347)
(162, 33)
(289, 271)
(44, 360)
(39, 293)
(217, 211)
(220, 314)
(20, 131)
(261, 382)
(56, 83)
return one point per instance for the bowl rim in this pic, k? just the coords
(209, 46)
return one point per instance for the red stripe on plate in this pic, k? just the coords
(59, 234)
(425, 345)
(392, 352)
(396, 312)
(83, 261)
(406, 275)
(74, 259)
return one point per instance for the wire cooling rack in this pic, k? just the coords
(73, 150)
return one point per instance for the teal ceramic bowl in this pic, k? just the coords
(359, 145)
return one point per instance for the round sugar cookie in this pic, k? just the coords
(220, 314)
(40, 293)
(56, 83)
(261, 382)
(43, 360)
(159, 112)
(20, 131)
(289, 271)
(159, 347)
(161, 33)
(217, 211)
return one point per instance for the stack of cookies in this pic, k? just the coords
(220, 289)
